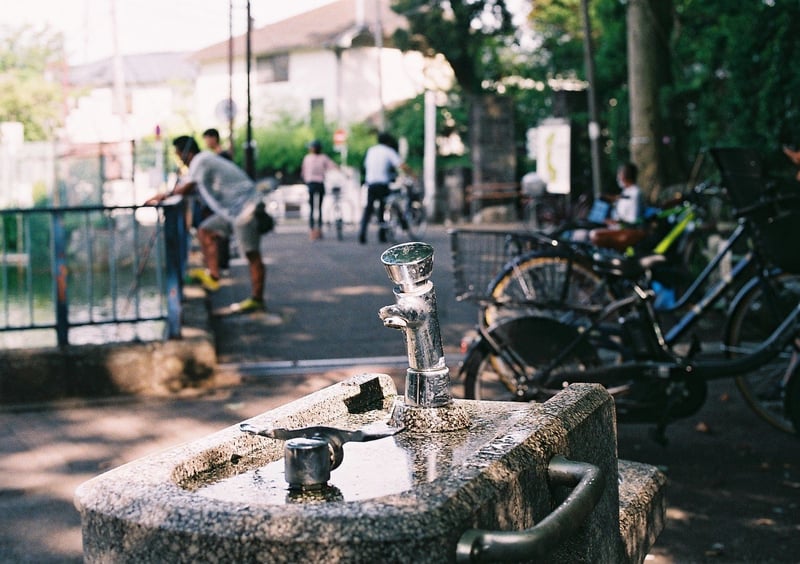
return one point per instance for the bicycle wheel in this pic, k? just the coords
(555, 280)
(416, 219)
(758, 310)
(393, 226)
(339, 224)
(529, 343)
(338, 220)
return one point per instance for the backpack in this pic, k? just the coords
(265, 221)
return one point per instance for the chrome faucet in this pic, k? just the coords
(409, 266)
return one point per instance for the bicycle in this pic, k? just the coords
(338, 214)
(404, 211)
(622, 345)
(501, 270)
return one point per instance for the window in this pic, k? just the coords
(273, 68)
(317, 111)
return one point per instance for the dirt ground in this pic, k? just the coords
(734, 485)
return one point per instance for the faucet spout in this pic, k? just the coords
(409, 266)
(393, 317)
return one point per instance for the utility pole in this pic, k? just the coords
(249, 156)
(594, 126)
(231, 144)
(379, 49)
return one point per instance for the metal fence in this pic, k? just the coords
(114, 270)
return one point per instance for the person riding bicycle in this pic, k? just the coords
(380, 165)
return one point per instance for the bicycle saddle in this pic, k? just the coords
(617, 239)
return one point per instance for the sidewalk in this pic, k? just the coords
(734, 491)
(328, 293)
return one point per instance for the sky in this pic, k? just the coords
(145, 26)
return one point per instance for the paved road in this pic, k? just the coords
(329, 293)
(734, 484)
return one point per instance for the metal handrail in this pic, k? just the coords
(477, 545)
(71, 229)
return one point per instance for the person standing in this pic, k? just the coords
(211, 139)
(380, 167)
(199, 210)
(232, 197)
(313, 169)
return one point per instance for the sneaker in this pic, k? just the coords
(250, 304)
(201, 275)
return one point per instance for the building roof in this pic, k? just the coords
(338, 23)
(141, 70)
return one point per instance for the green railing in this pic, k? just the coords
(63, 268)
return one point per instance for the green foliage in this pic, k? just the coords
(559, 28)
(408, 121)
(735, 82)
(466, 32)
(731, 79)
(28, 93)
(280, 146)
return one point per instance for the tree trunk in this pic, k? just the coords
(649, 24)
(491, 139)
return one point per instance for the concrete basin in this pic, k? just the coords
(405, 498)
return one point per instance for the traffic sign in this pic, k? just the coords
(339, 138)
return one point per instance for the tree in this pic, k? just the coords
(649, 31)
(714, 73)
(471, 35)
(467, 33)
(735, 82)
(31, 61)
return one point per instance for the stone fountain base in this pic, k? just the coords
(405, 498)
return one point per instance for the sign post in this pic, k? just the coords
(340, 143)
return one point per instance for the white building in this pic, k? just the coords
(152, 90)
(324, 60)
(336, 61)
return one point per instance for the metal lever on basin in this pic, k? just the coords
(310, 453)
(476, 545)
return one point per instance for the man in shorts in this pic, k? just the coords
(231, 196)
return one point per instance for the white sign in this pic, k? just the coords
(225, 110)
(552, 156)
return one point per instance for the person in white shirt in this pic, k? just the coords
(623, 228)
(380, 167)
(232, 197)
(628, 207)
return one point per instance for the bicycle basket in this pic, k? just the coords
(416, 192)
(478, 256)
(742, 174)
(775, 234)
(774, 224)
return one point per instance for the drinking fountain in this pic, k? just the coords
(359, 473)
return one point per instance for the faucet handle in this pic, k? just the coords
(310, 453)
(371, 432)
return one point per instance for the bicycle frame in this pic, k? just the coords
(670, 365)
(664, 364)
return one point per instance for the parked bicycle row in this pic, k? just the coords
(631, 309)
